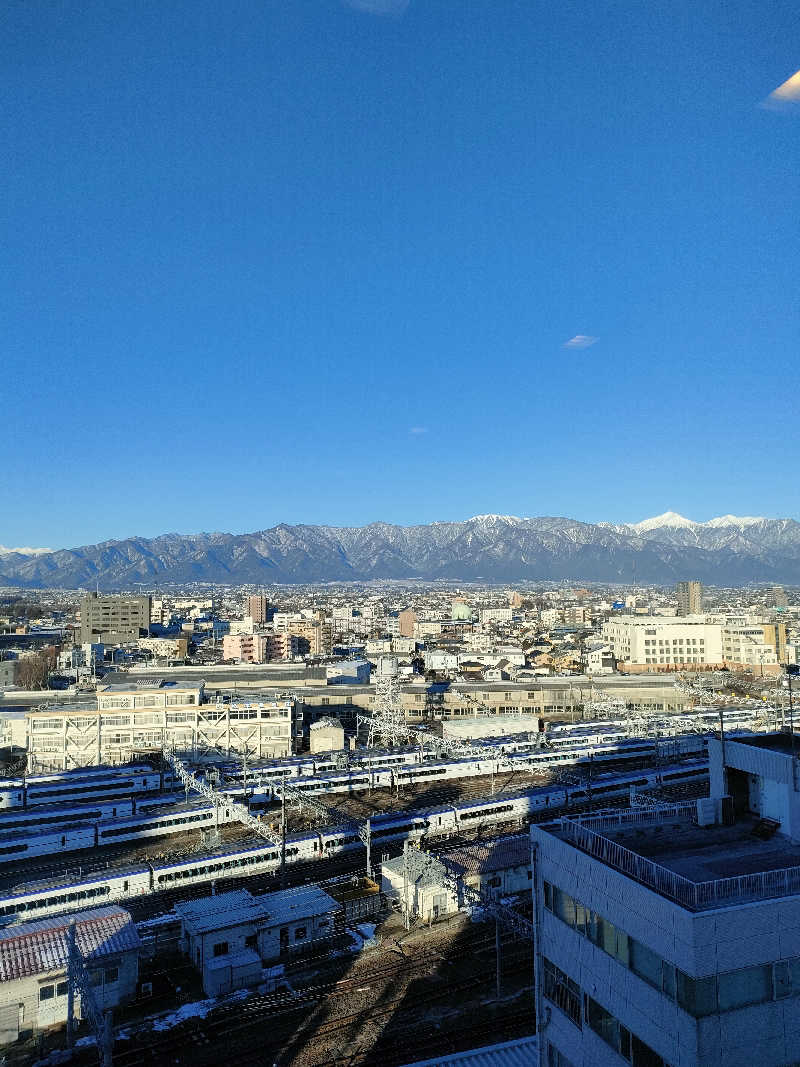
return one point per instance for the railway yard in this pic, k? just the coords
(431, 989)
(378, 988)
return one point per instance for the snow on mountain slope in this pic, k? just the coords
(665, 549)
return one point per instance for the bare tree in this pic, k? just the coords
(34, 670)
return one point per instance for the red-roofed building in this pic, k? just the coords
(33, 967)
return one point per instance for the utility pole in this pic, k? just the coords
(406, 908)
(498, 976)
(71, 952)
(283, 832)
(367, 838)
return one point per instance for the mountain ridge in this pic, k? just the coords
(492, 548)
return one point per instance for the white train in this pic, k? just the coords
(55, 815)
(145, 815)
(355, 781)
(103, 887)
(23, 844)
(89, 784)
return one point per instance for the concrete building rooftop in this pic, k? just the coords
(699, 868)
(773, 742)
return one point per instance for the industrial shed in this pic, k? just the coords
(231, 936)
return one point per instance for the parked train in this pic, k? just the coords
(90, 783)
(22, 844)
(137, 881)
(356, 780)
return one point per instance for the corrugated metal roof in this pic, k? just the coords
(520, 1053)
(220, 911)
(499, 855)
(41, 946)
(300, 903)
(239, 906)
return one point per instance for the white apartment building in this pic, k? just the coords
(495, 615)
(171, 647)
(131, 719)
(746, 645)
(664, 942)
(664, 642)
(661, 641)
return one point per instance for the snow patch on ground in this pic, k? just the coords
(198, 1009)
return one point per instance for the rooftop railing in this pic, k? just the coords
(588, 835)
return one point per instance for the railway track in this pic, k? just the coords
(229, 1022)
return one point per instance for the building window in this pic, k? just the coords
(562, 991)
(556, 1058)
(112, 975)
(619, 1037)
(221, 948)
(62, 989)
(251, 941)
(46, 992)
(300, 933)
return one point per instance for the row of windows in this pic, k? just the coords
(226, 865)
(43, 792)
(496, 810)
(698, 997)
(117, 831)
(109, 975)
(562, 991)
(53, 902)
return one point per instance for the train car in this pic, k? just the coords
(24, 845)
(47, 816)
(140, 826)
(36, 902)
(98, 789)
(399, 825)
(230, 863)
(341, 782)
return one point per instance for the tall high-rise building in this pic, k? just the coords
(257, 607)
(777, 597)
(113, 620)
(690, 598)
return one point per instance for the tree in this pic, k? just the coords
(35, 669)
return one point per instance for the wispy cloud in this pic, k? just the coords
(418, 430)
(580, 340)
(785, 96)
(388, 8)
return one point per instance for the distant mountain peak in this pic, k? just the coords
(670, 518)
(24, 551)
(495, 518)
(734, 520)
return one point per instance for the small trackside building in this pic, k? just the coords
(230, 937)
(33, 968)
(499, 867)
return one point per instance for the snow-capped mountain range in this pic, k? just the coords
(494, 548)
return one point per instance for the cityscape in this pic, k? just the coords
(399, 536)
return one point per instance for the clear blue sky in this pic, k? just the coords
(289, 260)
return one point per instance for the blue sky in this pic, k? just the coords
(302, 261)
